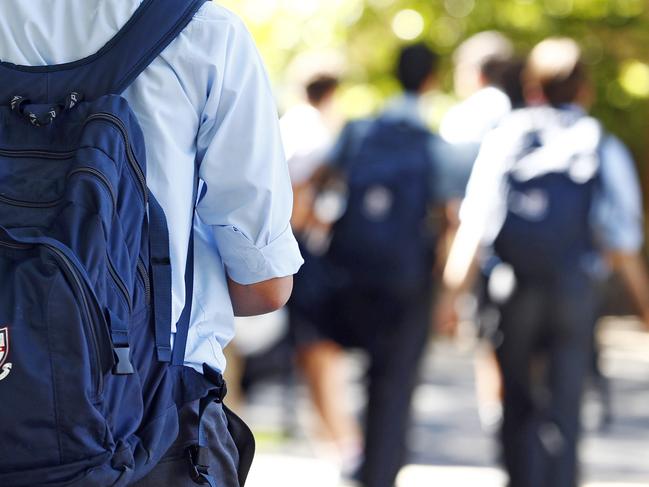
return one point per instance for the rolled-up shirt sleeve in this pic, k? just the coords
(248, 198)
(617, 209)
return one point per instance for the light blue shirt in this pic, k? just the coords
(407, 108)
(205, 99)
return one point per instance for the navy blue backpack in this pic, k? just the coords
(89, 384)
(383, 240)
(547, 230)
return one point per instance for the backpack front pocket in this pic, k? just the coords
(57, 344)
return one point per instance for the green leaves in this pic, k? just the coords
(613, 33)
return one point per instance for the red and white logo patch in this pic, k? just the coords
(5, 368)
(4, 345)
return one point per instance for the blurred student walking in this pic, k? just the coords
(487, 79)
(383, 251)
(308, 132)
(479, 65)
(550, 193)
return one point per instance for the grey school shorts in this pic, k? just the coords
(230, 457)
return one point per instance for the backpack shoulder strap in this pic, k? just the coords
(350, 142)
(153, 26)
(150, 30)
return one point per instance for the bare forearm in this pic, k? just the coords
(459, 275)
(633, 271)
(261, 298)
(460, 270)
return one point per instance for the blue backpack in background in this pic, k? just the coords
(383, 240)
(89, 384)
(551, 185)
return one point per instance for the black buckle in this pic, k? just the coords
(198, 464)
(223, 391)
(216, 378)
(123, 365)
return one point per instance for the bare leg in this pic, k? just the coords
(233, 373)
(322, 365)
(489, 387)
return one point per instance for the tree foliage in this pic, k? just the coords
(614, 35)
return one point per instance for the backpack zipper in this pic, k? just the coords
(104, 180)
(99, 175)
(135, 166)
(120, 284)
(93, 334)
(28, 204)
(51, 204)
(74, 274)
(54, 155)
(14, 246)
(109, 117)
(144, 275)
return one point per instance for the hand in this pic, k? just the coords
(445, 315)
(645, 320)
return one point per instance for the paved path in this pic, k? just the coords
(447, 444)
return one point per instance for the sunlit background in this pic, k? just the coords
(360, 37)
(365, 33)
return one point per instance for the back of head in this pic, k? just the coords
(554, 72)
(417, 64)
(479, 60)
(320, 87)
(511, 81)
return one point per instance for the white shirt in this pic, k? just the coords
(307, 141)
(469, 121)
(206, 98)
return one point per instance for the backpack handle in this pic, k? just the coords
(19, 105)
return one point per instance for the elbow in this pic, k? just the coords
(261, 298)
(278, 295)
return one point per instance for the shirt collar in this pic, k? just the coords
(573, 108)
(405, 107)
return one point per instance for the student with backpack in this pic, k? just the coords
(483, 79)
(144, 200)
(551, 194)
(382, 255)
(309, 130)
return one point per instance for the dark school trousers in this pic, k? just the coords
(174, 468)
(545, 355)
(394, 331)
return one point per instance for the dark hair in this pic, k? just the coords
(416, 63)
(555, 68)
(493, 71)
(320, 87)
(508, 76)
(561, 91)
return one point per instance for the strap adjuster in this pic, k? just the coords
(123, 365)
(198, 464)
(220, 389)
